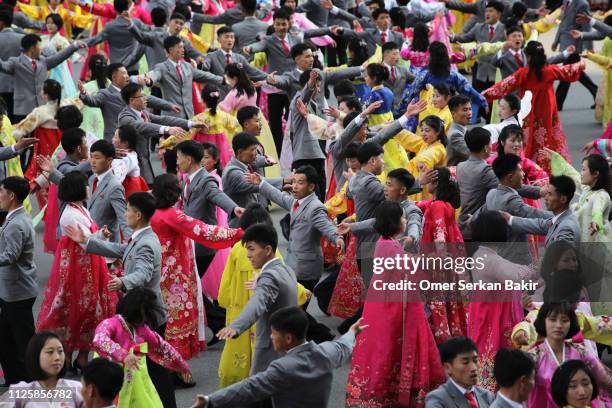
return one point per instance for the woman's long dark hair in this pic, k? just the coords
(598, 163)
(420, 38)
(507, 132)
(360, 52)
(244, 84)
(97, 67)
(439, 63)
(447, 189)
(536, 57)
(53, 89)
(166, 190)
(436, 124)
(210, 96)
(214, 152)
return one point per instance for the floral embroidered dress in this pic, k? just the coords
(547, 363)
(180, 284)
(448, 318)
(77, 298)
(222, 127)
(395, 361)
(542, 126)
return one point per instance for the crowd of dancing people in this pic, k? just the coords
(146, 145)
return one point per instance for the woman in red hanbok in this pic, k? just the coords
(441, 234)
(180, 284)
(542, 126)
(77, 298)
(395, 361)
(126, 169)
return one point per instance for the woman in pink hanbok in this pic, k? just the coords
(180, 285)
(557, 322)
(211, 280)
(492, 314)
(395, 362)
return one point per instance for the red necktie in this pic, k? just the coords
(129, 241)
(228, 58)
(34, 65)
(95, 184)
(491, 32)
(471, 399)
(296, 204)
(518, 58)
(393, 73)
(178, 71)
(144, 117)
(187, 183)
(383, 37)
(285, 46)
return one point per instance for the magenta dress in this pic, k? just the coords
(395, 361)
(490, 323)
(211, 281)
(546, 364)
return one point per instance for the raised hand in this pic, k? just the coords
(314, 74)
(271, 78)
(542, 11)
(582, 18)
(332, 111)
(246, 51)
(371, 108)
(176, 131)
(75, 233)
(429, 176)
(44, 163)
(253, 178)
(414, 108)
(81, 87)
(327, 4)
(575, 34)
(587, 148)
(301, 108)
(25, 142)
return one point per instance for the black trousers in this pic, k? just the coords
(215, 314)
(319, 166)
(317, 332)
(170, 160)
(337, 55)
(563, 89)
(162, 378)
(8, 98)
(278, 107)
(16, 330)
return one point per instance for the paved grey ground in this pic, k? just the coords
(580, 127)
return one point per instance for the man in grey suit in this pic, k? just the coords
(248, 30)
(457, 151)
(398, 75)
(148, 126)
(18, 287)
(11, 41)
(301, 378)
(506, 198)
(564, 38)
(216, 61)
(562, 225)
(121, 41)
(229, 17)
(478, 10)
(30, 70)
(111, 103)
(276, 288)
(234, 180)
(459, 357)
(492, 30)
(475, 178)
(141, 258)
(514, 371)
(376, 36)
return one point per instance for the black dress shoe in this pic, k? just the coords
(593, 106)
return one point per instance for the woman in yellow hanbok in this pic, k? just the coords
(437, 97)
(237, 355)
(13, 166)
(72, 14)
(429, 149)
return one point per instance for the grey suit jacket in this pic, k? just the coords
(302, 378)
(290, 81)
(178, 90)
(107, 206)
(229, 17)
(480, 34)
(504, 198)
(17, 268)
(568, 23)
(456, 149)
(23, 21)
(277, 59)
(276, 288)
(11, 47)
(152, 45)
(603, 28)
(447, 395)
(248, 31)
(141, 265)
(28, 84)
(478, 9)
(508, 63)
(121, 41)
(372, 37)
(303, 144)
(6, 153)
(475, 178)
(308, 223)
(215, 62)
(500, 403)
(397, 85)
(111, 103)
(565, 229)
(146, 130)
(237, 188)
(201, 202)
